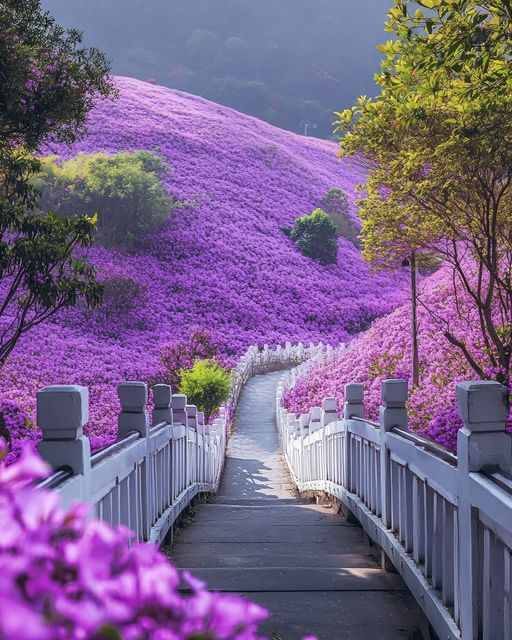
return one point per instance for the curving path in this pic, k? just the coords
(306, 564)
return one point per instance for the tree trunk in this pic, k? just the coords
(414, 321)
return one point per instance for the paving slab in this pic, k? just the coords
(311, 568)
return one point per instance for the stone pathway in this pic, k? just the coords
(308, 566)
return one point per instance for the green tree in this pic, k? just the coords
(48, 84)
(316, 236)
(124, 190)
(439, 156)
(206, 385)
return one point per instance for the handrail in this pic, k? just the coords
(375, 425)
(113, 448)
(158, 427)
(59, 475)
(499, 477)
(429, 445)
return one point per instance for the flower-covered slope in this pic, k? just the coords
(384, 351)
(222, 262)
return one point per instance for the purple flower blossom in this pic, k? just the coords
(63, 576)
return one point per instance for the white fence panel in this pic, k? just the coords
(444, 521)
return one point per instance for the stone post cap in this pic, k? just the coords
(304, 420)
(354, 393)
(394, 393)
(330, 405)
(179, 401)
(483, 405)
(62, 411)
(316, 414)
(162, 395)
(191, 410)
(133, 396)
(200, 417)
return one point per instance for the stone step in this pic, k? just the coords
(299, 579)
(359, 558)
(265, 532)
(341, 615)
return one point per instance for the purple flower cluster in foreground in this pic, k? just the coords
(63, 576)
(222, 262)
(384, 351)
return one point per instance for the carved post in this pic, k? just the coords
(354, 408)
(191, 414)
(304, 424)
(329, 411)
(134, 413)
(162, 396)
(393, 413)
(315, 417)
(134, 416)
(179, 403)
(483, 442)
(62, 413)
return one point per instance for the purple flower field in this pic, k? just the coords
(384, 351)
(222, 262)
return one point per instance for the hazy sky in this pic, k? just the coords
(286, 61)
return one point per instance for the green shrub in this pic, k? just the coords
(316, 236)
(200, 345)
(335, 203)
(124, 189)
(206, 385)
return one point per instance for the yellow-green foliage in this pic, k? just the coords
(438, 146)
(206, 385)
(124, 189)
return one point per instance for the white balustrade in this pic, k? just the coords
(152, 472)
(444, 521)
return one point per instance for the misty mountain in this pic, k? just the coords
(289, 62)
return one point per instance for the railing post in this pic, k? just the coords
(134, 416)
(393, 413)
(329, 411)
(329, 415)
(162, 396)
(191, 422)
(62, 413)
(179, 403)
(354, 408)
(134, 413)
(315, 417)
(191, 413)
(483, 442)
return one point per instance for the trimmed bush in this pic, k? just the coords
(124, 190)
(316, 236)
(206, 385)
(200, 346)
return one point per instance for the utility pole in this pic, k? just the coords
(308, 126)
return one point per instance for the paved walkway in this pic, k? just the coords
(310, 567)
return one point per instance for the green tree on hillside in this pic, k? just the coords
(48, 84)
(124, 191)
(439, 157)
(316, 236)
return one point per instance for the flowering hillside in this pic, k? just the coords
(222, 262)
(383, 351)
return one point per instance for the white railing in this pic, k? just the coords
(152, 472)
(444, 521)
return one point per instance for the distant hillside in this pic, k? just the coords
(285, 61)
(222, 262)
